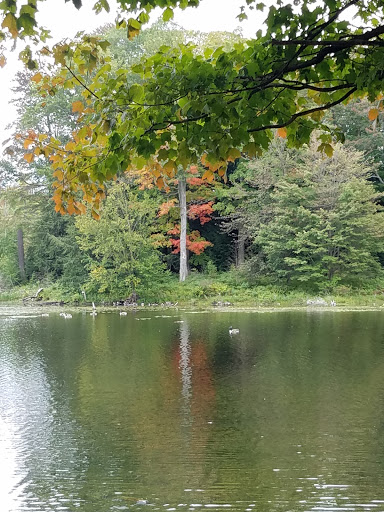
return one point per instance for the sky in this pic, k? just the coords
(64, 21)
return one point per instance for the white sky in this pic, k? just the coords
(65, 21)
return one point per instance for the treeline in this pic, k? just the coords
(298, 218)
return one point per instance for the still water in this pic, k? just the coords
(98, 414)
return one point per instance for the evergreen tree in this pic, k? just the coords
(326, 226)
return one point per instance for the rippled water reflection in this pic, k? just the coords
(114, 413)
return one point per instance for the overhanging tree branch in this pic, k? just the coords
(305, 113)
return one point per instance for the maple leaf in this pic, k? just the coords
(373, 114)
(202, 212)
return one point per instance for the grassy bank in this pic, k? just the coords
(205, 290)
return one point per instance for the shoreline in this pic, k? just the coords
(17, 309)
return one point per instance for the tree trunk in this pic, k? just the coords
(182, 189)
(20, 252)
(240, 248)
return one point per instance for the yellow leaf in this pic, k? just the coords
(373, 113)
(10, 23)
(70, 146)
(328, 150)
(81, 207)
(95, 215)
(77, 106)
(42, 137)
(27, 143)
(208, 176)
(29, 157)
(3, 61)
(59, 175)
(282, 132)
(170, 168)
(37, 78)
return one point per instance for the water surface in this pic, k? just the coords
(99, 413)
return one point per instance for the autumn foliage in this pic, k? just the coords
(195, 243)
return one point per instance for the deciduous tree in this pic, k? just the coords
(223, 102)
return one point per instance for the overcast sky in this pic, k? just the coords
(65, 21)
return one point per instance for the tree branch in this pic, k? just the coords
(305, 113)
(336, 43)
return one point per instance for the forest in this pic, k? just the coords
(275, 225)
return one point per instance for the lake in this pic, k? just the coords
(164, 410)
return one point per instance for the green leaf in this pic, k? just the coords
(136, 92)
(168, 14)
(27, 23)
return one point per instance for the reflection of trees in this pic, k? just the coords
(185, 372)
(124, 406)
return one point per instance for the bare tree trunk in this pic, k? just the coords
(182, 189)
(20, 252)
(240, 256)
(240, 247)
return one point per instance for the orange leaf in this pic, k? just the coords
(37, 78)
(3, 61)
(160, 183)
(29, 157)
(282, 132)
(373, 114)
(70, 208)
(77, 106)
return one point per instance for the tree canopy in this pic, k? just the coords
(186, 103)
